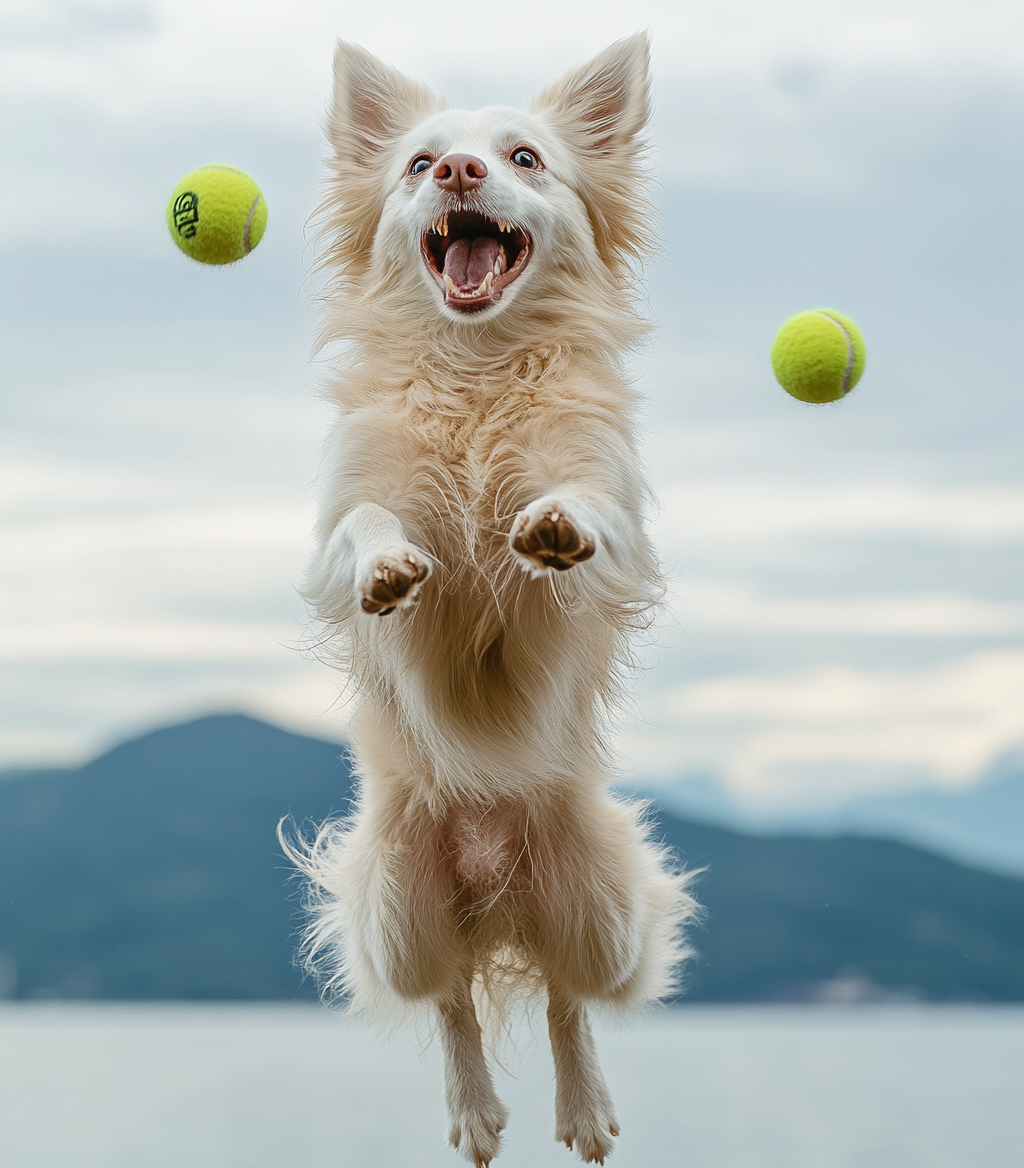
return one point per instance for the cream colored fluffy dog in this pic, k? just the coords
(482, 564)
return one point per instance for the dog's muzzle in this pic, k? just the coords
(474, 258)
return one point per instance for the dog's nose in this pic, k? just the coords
(460, 173)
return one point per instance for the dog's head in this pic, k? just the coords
(437, 213)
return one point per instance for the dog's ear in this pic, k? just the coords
(604, 104)
(601, 110)
(372, 107)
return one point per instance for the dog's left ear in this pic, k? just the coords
(605, 103)
(601, 110)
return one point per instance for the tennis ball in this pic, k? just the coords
(216, 214)
(818, 356)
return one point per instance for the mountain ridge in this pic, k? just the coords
(153, 872)
(981, 825)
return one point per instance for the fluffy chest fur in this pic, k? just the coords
(501, 654)
(460, 455)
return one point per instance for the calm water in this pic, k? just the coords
(277, 1086)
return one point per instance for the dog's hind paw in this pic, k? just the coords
(393, 582)
(592, 1135)
(477, 1133)
(546, 536)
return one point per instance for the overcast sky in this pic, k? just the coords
(847, 601)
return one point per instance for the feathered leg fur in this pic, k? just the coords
(584, 1116)
(476, 1115)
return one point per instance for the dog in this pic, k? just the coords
(482, 571)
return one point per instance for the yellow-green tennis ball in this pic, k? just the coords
(217, 214)
(818, 356)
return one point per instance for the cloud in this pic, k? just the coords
(199, 584)
(736, 607)
(208, 55)
(829, 730)
(100, 702)
(732, 509)
(119, 639)
(63, 24)
(794, 98)
(65, 544)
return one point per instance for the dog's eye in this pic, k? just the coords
(526, 159)
(419, 165)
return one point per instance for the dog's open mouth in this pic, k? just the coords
(473, 258)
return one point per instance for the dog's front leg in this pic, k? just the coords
(584, 1118)
(366, 564)
(476, 1114)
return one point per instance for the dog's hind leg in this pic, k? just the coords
(584, 1118)
(476, 1114)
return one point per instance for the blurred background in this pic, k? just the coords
(833, 716)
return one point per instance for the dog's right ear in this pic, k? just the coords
(373, 105)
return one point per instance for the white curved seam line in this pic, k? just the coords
(849, 351)
(248, 223)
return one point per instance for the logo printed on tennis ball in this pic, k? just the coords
(818, 356)
(186, 213)
(217, 214)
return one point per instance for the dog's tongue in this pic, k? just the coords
(467, 261)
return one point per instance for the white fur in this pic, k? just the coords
(485, 855)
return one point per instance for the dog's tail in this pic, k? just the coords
(321, 953)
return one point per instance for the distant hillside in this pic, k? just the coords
(982, 824)
(792, 917)
(153, 872)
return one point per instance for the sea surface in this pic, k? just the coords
(275, 1086)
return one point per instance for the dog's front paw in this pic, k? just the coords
(393, 581)
(547, 536)
(476, 1132)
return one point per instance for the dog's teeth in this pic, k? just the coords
(449, 285)
(485, 285)
(500, 262)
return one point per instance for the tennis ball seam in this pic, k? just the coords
(850, 355)
(248, 224)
